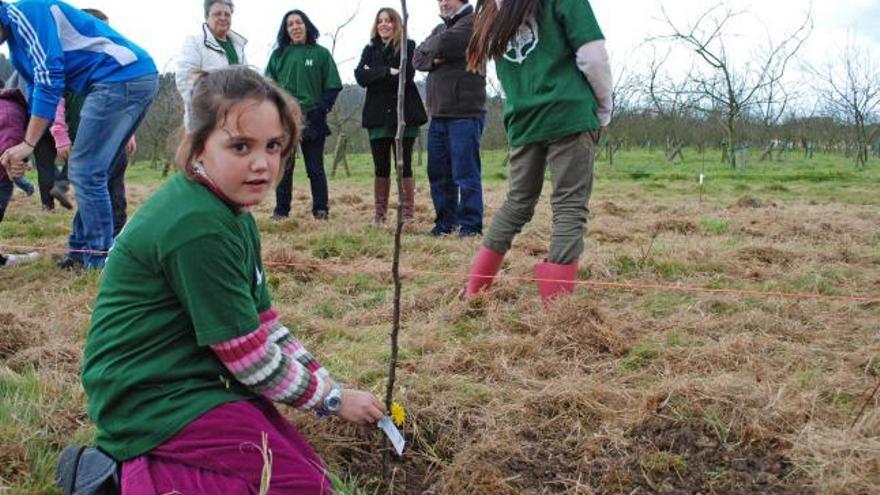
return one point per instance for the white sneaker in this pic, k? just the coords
(21, 259)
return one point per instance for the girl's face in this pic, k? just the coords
(219, 20)
(296, 29)
(385, 26)
(242, 155)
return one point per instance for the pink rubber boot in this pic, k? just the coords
(483, 269)
(555, 280)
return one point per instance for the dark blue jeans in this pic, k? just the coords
(5, 194)
(110, 115)
(454, 170)
(313, 155)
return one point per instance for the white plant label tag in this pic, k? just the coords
(701, 179)
(393, 434)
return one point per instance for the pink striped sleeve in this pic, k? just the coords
(274, 364)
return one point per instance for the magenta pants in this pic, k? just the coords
(220, 453)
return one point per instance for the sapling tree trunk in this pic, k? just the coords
(398, 232)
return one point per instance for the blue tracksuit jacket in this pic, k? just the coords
(56, 46)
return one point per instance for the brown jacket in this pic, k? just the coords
(452, 91)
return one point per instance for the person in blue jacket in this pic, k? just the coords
(57, 47)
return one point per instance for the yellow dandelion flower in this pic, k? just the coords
(398, 413)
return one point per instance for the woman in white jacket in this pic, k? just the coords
(215, 47)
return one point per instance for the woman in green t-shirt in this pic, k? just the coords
(379, 72)
(185, 354)
(551, 60)
(307, 71)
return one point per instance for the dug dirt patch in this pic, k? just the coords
(765, 254)
(683, 227)
(669, 456)
(749, 202)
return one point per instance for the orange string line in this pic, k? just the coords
(630, 286)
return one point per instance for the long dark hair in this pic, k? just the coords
(494, 27)
(282, 40)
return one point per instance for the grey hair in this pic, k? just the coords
(209, 3)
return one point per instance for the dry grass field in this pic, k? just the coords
(623, 391)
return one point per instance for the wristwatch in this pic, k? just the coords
(332, 402)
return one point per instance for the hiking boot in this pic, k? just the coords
(322, 215)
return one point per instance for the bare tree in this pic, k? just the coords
(625, 94)
(338, 119)
(669, 100)
(728, 87)
(849, 84)
(156, 133)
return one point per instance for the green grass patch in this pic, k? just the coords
(38, 416)
(640, 356)
(715, 226)
(662, 462)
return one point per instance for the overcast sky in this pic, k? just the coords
(160, 25)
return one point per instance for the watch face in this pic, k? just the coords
(333, 403)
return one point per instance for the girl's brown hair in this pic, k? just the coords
(397, 36)
(214, 95)
(495, 26)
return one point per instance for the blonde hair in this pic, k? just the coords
(397, 35)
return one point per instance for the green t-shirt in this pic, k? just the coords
(548, 97)
(231, 54)
(304, 71)
(184, 274)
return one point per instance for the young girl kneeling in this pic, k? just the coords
(185, 352)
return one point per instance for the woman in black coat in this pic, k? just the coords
(378, 71)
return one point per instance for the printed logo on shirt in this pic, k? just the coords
(309, 62)
(259, 277)
(525, 41)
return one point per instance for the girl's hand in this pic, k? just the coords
(362, 408)
(64, 153)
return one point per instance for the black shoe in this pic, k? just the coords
(469, 233)
(59, 192)
(438, 231)
(68, 263)
(322, 215)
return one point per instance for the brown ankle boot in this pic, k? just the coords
(381, 188)
(409, 199)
